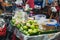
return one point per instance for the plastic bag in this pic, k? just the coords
(53, 9)
(26, 7)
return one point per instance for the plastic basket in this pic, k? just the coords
(37, 37)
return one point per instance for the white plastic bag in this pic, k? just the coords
(26, 7)
(53, 9)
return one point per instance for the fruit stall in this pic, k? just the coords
(29, 20)
(37, 27)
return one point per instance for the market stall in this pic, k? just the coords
(30, 22)
(30, 28)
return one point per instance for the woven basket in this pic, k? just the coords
(48, 27)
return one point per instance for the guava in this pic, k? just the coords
(32, 27)
(35, 30)
(21, 29)
(27, 24)
(30, 31)
(35, 21)
(18, 26)
(30, 21)
(26, 32)
(25, 27)
(13, 21)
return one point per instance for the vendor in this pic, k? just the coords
(47, 10)
(57, 5)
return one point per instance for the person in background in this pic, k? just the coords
(58, 6)
(53, 8)
(59, 9)
(31, 3)
(47, 10)
(1, 6)
(28, 6)
(8, 6)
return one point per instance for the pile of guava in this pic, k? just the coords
(28, 28)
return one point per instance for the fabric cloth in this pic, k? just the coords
(53, 9)
(58, 8)
(39, 2)
(31, 3)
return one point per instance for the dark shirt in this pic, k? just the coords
(1, 6)
(59, 2)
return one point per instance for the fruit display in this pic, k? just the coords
(28, 28)
(31, 28)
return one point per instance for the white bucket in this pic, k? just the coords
(52, 22)
(38, 17)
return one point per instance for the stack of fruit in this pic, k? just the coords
(29, 28)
